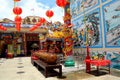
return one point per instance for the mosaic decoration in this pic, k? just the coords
(111, 13)
(114, 57)
(94, 30)
(104, 0)
(77, 6)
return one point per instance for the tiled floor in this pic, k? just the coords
(21, 69)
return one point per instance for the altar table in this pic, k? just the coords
(99, 63)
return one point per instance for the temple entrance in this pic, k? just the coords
(4, 51)
(32, 45)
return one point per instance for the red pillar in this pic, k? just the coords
(88, 66)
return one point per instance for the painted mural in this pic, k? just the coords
(111, 13)
(114, 57)
(91, 22)
(104, 0)
(77, 6)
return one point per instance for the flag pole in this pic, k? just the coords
(88, 66)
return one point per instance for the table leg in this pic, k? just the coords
(109, 68)
(60, 71)
(97, 70)
(46, 72)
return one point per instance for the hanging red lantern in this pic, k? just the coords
(17, 10)
(18, 20)
(61, 3)
(42, 20)
(49, 13)
(18, 26)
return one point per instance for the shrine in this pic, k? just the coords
(60, 39)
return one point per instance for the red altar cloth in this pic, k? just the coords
(99, 63)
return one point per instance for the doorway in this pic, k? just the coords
(30, 46)
(4, 51)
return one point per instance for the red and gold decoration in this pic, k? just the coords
(42, 20)
(56, 34)
(67, 18)
(68, 42)
(34, 27)
(49, 13)
(38, 24)
(3, 28)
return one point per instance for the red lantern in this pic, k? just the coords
(18, 19)
(42, 20)
(61, 3)
(17, 10)
(18, 25)
(49, 13)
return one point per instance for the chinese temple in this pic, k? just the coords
(60, 40)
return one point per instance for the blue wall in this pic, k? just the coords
(102, 18)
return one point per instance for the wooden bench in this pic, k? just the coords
(47, 67)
